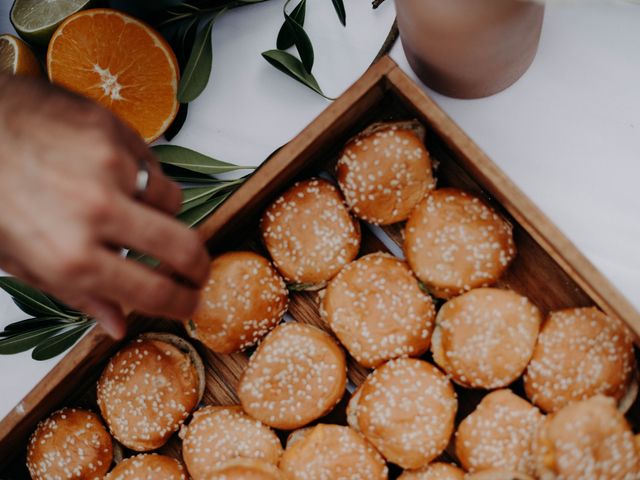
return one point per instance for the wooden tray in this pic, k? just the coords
(549, 270)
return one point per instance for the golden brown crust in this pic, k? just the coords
(586, 439)
(499, 434)
(434, 471)
(309, 232)
(485, 337)
(455, 242)
(147, 390)
(580, 352)
(498, 474)
(377, 310)
(406, 409)
(297, 374)
(70, 444)
(148, 467)
(242, 301)
(385, 171)
(246, 469)
(331, 451)
(216, 435)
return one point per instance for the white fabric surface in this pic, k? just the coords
(568, 133)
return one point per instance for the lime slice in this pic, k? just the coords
(36, 20)
(8, 54)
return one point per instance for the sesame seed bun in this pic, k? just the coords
(581, 352)
(297, 375)
(585, 440)
(71, 443)
(498, 474)
(455, 242)
(385, 171)
(242, 301)
(485, 337)
(331, 451)
(246, 469)
(149, 388)
(499, 434)
(377, 310)
(148, 467)
(216, 435)
(406, 409)
(434, 471)
(309, 233)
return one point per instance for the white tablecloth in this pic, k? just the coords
(568, 133)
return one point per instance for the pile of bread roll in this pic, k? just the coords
(577, 365)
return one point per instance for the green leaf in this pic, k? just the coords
(302, 42)
(54, 346)
(177, 123)
(342, 13)
(192, 197)
(285, 36)
(188, 159)
(290, 65)
(196, 74)
(196, 215)
(34, 323)
(34, 299)
(24, 341)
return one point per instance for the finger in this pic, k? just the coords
(145, 230)
(130, 284)
(108, 314)
(161, 192)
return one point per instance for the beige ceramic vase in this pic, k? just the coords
(469, 48)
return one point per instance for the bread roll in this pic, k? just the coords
(581, 352)
(148, 467)
(309, 233)
(499, 434)
(589, 439)
(70, 444)
(246, 469)
(216, 435)
(385, 171)
(498, 474)
(434, 471)
(297, 375)
(242, 301)
(149, 388)
(331, 452)
(485, 337)
(455, 242)
(377, 310)
(406, 409)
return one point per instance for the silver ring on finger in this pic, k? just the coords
(142, 179)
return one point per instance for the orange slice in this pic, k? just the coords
(120, 62)
(16, 57)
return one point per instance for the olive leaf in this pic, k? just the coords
(177, 123)
(33, 323)
(198, 69)
(54, 346)
(194, 216)
(302, 42)
(285, 35)
(193, 197)
(188, 159)
(23, 341)
(290, 65)
(340, 10)
(182, 175)
(30, 298)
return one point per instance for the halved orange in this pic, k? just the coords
(120, 62)
(16, 57)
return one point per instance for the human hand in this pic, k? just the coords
(68, 171)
